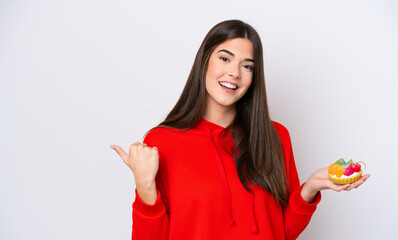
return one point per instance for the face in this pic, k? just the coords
(229, 73)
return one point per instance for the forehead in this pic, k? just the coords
(240, 47)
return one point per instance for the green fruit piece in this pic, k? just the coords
(349, 162)
(341, 162)
(362, 163)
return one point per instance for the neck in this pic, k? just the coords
(220, 115)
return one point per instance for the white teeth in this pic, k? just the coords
(228, 85)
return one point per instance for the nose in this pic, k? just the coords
(234, 71)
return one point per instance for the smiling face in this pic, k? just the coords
(229, 73)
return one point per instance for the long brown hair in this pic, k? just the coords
(257, 152)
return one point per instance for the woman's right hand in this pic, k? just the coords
(144, 162)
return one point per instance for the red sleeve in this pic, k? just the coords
(152, 221)
(297, 214)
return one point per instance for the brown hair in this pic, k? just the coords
(257, 152)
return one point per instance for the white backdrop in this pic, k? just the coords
(77, 76)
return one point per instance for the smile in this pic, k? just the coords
(228, 85)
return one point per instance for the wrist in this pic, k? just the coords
(147, 192)
(145, 185)
(309, 192)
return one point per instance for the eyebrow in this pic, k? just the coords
(233, 55)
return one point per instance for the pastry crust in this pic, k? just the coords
(345, 180)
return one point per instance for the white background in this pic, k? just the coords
(77, 76)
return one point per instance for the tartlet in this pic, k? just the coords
(342, 172)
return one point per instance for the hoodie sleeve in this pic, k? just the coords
(152, 221)
(297, 214)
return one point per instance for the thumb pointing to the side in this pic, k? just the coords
(121, 152)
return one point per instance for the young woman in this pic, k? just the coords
(217, 167)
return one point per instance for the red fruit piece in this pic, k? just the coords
(348, 171)
(355, 167)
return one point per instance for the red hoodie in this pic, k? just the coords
(201, 197)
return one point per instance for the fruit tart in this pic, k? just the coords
(342, 172)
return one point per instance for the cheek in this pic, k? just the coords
(214, 70)
(247, 81)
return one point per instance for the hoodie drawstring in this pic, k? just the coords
(225, 185)
(224, 180)
(253, 220)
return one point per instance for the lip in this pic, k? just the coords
(227, 90)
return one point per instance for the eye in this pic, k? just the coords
(224, 59)
(248, 67)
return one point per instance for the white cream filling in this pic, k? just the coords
(344, 176)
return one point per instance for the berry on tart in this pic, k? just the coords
(342, 172)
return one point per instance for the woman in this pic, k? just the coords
(217, 167)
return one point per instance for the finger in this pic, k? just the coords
(324, 170)
(143, 145)
(366, 176)
(121, 152)
(360, 181)
(138, 145)
(155, 151)
(339, 188)
(345, 187)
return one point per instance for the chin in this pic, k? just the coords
(227, 104)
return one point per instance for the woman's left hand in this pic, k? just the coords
(319, 181)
